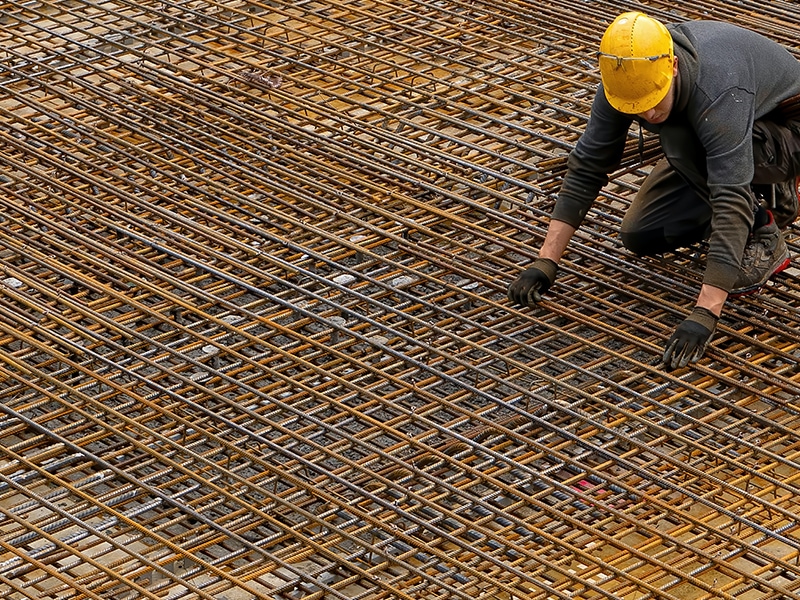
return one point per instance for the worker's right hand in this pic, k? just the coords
(527, 290)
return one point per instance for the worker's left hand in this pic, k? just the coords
(690, 339)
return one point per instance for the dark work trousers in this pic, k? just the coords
(672, 209)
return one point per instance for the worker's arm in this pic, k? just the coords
(528, 288)
(597, 153)
(555, 242)
(726, 135)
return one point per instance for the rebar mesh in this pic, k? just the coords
(254, 335)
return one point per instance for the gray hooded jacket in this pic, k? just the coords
(728, 78)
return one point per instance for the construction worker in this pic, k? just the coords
(721, 98)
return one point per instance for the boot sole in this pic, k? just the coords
(753, 289)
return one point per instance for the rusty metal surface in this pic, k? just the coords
(253, 335)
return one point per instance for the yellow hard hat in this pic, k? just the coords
(636, 59)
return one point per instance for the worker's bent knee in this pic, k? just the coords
(654, 241)
(644, 243)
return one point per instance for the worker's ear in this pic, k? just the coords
(674, 66)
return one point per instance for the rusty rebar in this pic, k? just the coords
(254, 341)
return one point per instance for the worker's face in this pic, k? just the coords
(660, 112)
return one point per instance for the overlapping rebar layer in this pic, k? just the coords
(253, 332)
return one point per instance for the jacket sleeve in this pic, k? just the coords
(726, 131)
(597, 153)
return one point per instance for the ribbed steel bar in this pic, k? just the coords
(253, 334)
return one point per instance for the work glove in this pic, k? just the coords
(527, 290)
(690, 339)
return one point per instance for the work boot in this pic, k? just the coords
(765, 255)
(781, 199)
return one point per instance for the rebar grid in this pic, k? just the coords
(254, 335)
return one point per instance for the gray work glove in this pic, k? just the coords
(527, 290)
(690, 339)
